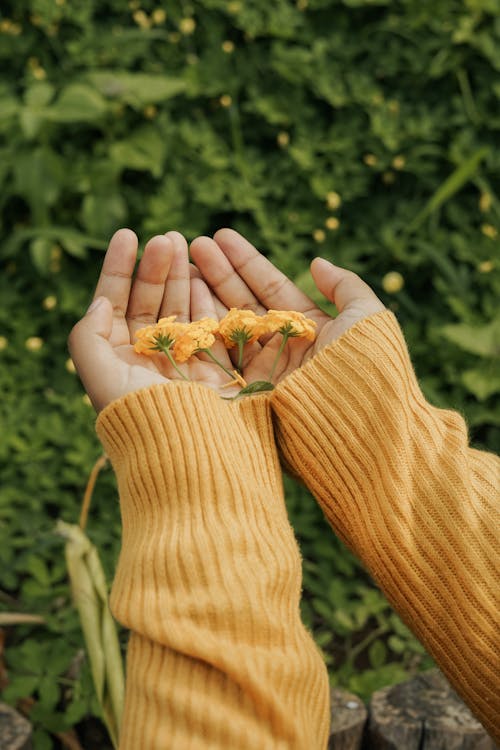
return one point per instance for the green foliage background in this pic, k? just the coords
(245, 114)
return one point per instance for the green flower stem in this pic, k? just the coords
(207, 351)
(174, 365)
(286, 336)
(241, 346)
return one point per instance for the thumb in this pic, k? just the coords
(91, 351)
(344, 288)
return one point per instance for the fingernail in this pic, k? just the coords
(95, 304)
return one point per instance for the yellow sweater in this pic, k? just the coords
(209, 575)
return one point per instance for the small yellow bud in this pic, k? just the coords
(39, 73)
(388, 177)
(225, 100)
(489, 231)
(134, 4)
(3, 343)
(302, 4)
(60, 2)
(86, 400)
(393, 282)
(49, 302)
(333, 200)
(398, 162)
(228, 46)
(332, 223)
(34, 343)
(234, 7)
(35, 19)
(370, 160)
(141, 18)
(159, 16)
(485, 202)
(5, 24)
(70, 366)
(319, 235)
(486, 266)
(150, 112)
(187, 25)
(283, 139)
(55, 252)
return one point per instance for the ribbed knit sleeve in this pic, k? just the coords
(399, 484)
(209, 578)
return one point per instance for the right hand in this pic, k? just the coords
(240, 276)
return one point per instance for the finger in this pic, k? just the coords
(221, 276)
(149, 284)
(90, 347)
(272, 288)
(116, 279)
(202, 306)
(177, 287)
(344, 288)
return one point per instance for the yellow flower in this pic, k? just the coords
(3, 343)
(187, 25)
(333, 200)
(49, 302)
(398, 162)
(70, 366)
(159, 16)
(332, 223)
(319, 235)
(485, 202)
(240, 325)
(225, 100)
(34, 343)
(290, 323)
(489, 231)
(141, 18)
(283, 139)
(486, 266)
(228, 46)
(370, 160)
(167, 331)
(197, 335)
(150, 111)
(393, 282)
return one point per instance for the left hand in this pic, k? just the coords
(101, 343)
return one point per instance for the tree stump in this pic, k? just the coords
(424, 714)
(348, 720)
(15, 730)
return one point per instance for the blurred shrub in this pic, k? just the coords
(362, 130)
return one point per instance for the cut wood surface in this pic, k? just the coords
(15, 730)
(348, 720)
(423, 714)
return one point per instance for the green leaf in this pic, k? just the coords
(143, 150)
(136, 89)
(377, 654)
(257, 387)
(449, 187)
(40, 249)
(78, 102)
(482, 340)
(483, 383)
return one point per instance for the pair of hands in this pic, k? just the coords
(227, 272)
